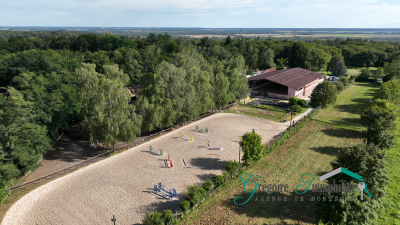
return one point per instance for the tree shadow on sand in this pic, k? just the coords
(209, 163)
(161, 204)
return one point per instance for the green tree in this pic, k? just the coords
(252, 147)
(108, 115)
(296, 108)
(368, 161)
(364, 75)
(208, 185)
(379, 122)
(391, 67)
(300, 55)
(379, 73)
(344, 80)
(282, 62)
(368, 58)
(293, 100)
(389, 91)
(221, 87)
(266, 59)
(232, 166)
(334, 61)
(323, 94)
(339, 69)
(251, 56)
(22, 141)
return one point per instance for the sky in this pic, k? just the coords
(202, 13)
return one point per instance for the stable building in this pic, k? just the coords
(285, 83)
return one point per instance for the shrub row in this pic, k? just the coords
(159, 218)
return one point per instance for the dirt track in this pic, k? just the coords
(122, 185)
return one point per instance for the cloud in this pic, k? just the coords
(201, 13)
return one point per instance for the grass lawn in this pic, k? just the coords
(350, 103)
(391, 213)
(310, 151)
(260, 111)
(353, 72)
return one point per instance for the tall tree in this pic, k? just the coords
(266, 59)
(106, 107)
(379, 122)
(252, 147)
(339, 69)
(323, 94)
(22, 141)
(379, 73)
(300, 55)
(389, 91)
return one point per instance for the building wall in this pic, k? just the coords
(278, 96)
(294, 92)
(308, 89)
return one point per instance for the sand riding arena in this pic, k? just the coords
(123, 185)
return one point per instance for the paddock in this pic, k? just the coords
(123, 185)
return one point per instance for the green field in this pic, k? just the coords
(350, 103)
(353, 72)
(261, 112)
(309, 151)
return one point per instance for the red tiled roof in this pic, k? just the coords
(294, 78)
(133, 90)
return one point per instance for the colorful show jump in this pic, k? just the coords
(164, 191)
(202, 130)
(213, 148)
(170, 163)
(155, 151)
(185, 137)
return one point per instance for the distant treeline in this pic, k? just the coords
(144, 31)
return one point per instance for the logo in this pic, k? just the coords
(341, 187)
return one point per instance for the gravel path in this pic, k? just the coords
(122, 185)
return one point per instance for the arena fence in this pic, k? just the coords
(107, 153)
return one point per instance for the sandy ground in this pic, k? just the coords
(70, 149)
(122, 185)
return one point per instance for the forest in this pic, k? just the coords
(52, 80)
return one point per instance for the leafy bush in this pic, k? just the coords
(344, 80)
(184, 205)
(339, 87)
(218, 180)
(296, 108)
(293, 100)
(364, 75)
(208, 185)
(302, 102)
(323, 94)
(195, 195)
(158, 218)
(232, 166)
(167, 216)
(252, 147)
